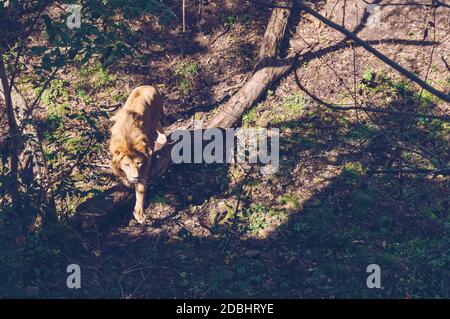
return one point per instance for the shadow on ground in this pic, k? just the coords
(345, 218)
(349, 218)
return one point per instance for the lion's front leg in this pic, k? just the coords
(162, 138)
(140, 200)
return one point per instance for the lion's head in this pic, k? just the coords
(131, 161)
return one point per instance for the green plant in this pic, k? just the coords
(289, 201)
(289, 109)
(94, 77)
(229, 21)
(55, 98)
(249, 117)
(101, 76)
(246, 21)
(294, 105)
(259, 217)
(186, 76)
(368, 75)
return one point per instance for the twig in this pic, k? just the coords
(13, 129)
(367, 108)
(24, 41)
(443, 171)
(432, 50)
(184, 15)
(375, 52)
(435, 4)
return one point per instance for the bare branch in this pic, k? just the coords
(378, 54)
(366, 108)
(443, 171)
(14, 133)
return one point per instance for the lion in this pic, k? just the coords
(136, 132)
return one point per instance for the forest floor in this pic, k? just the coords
(308, 231)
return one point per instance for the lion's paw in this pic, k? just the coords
(138, 214)
(161, 139)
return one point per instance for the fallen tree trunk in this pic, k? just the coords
(275, 31)
(251, 91)
(269, 68)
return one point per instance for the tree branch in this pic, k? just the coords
(14, 134)
(375, 52)
(370, 109)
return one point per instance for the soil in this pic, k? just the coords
(193, 245)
